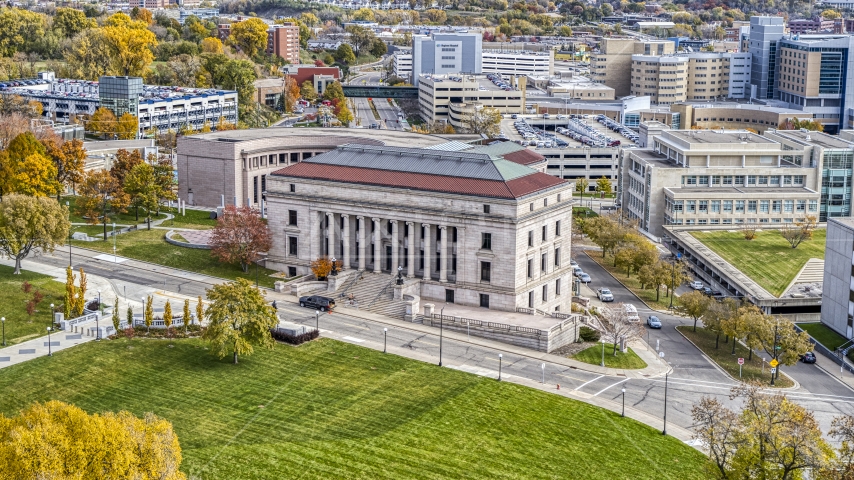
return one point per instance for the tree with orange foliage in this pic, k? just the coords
(69, 158)
(240, 236)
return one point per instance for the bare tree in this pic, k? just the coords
(748, 230)
(799, 231)
(616, 325)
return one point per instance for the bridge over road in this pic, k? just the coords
(379, 91)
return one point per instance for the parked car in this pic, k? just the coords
(808, 357)
(696, 285)
(573, 263)
(585, 278)
(631, 312)
(711, 293)
(317, 302)
(653, 321)
(605, 295)
(576, 270)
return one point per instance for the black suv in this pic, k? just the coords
(317, 302)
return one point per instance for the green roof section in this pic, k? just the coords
(509, 170)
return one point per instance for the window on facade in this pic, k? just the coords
(486, 209)
(557, 287)
(763, 206)
(530, 238)
(703, 180)
(776, 206)
(788, 206)
(293, 188)
(716, 180)
(292, 217)
(557, 257)
(751, 179)
(557, 228)
(727, 206)
(530, 268)
(484, 300)
(751, 206)
(292, 245)
(486, 241)
(543, 262)
(727, 179)
(763, 179)
(545, 232)
(775, 180)
(545, 293)
(531, 299)
(813, 205)
(704, 206)
(531, 206)
(691, 206)
(787, 179)
(802, 206)
(716, 206)
(739, 179)
(485, 271)
(545, 202)
(739, 206)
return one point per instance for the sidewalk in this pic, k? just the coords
(38, 347)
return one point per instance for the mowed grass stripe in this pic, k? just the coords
(768, 259)
(332, 415)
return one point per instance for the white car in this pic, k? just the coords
(605, 295)
(696, 285)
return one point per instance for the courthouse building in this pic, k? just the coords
(473, 228)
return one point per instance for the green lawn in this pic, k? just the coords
(593, 356)
(149, 245)
(329, 409)
(768, 259)
(197, 219)
(584, 212)
(822, 334)
(648, 295)
(751, 370)
(21, 326)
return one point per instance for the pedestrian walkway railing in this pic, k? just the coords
(70, 324)
(461, 321)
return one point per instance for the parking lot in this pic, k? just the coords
(567, 131)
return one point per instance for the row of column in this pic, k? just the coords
(395, 260)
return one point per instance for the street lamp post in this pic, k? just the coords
(317, 320)
(67, 205)
(441, 321)
(499, 366)
(114, 243)
(543, 366)
(49, 351)
(773, 374)
(385, 339)
(3, 322)
(664, 431)
(51, 314)
(624, 403)
(98, 318)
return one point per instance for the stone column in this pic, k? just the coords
(345, 237)
(443, 249)
(330, 233)
(426, 250)
(395, 258)
(378, 232)
(362, 260)
(461, 231)
(410, 270)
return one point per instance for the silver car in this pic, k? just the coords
(605, 295)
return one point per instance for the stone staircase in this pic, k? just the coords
(370, 296)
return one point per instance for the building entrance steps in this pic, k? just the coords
(373, 292)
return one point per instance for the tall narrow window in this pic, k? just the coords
(486, 241)
(557, 228)
(485, 271)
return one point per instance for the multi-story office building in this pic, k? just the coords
(501, 240)
(690, 77)
(446, 53)
(815, 73)
(837, 289)
(765, 32)
(503, 63)
(120, 94)
(832, 158)
(438, 93)
(816, 25)
(613, 64)
(703, 177)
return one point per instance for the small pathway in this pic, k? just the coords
(38, 347)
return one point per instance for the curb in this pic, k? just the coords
(627, 288)
(795, 385)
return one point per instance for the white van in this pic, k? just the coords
(631, 312)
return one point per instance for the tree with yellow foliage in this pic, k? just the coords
(30, 170)
(68, 158)
(250, 36)
(224, 124)
(239, 319)
(30, 223)
(167, 314)
(211, 45)
(130, 43)
(102, 122)
(127, 126)
(58, 440)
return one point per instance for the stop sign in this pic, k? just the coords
(741, 361)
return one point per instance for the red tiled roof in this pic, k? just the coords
(524, 157)
(421, 181)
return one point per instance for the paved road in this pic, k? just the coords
(819, 389)
(388, 114)
(364, 112)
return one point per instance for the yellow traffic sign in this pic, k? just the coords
(773, 362)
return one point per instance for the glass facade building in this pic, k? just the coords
(120, 94)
